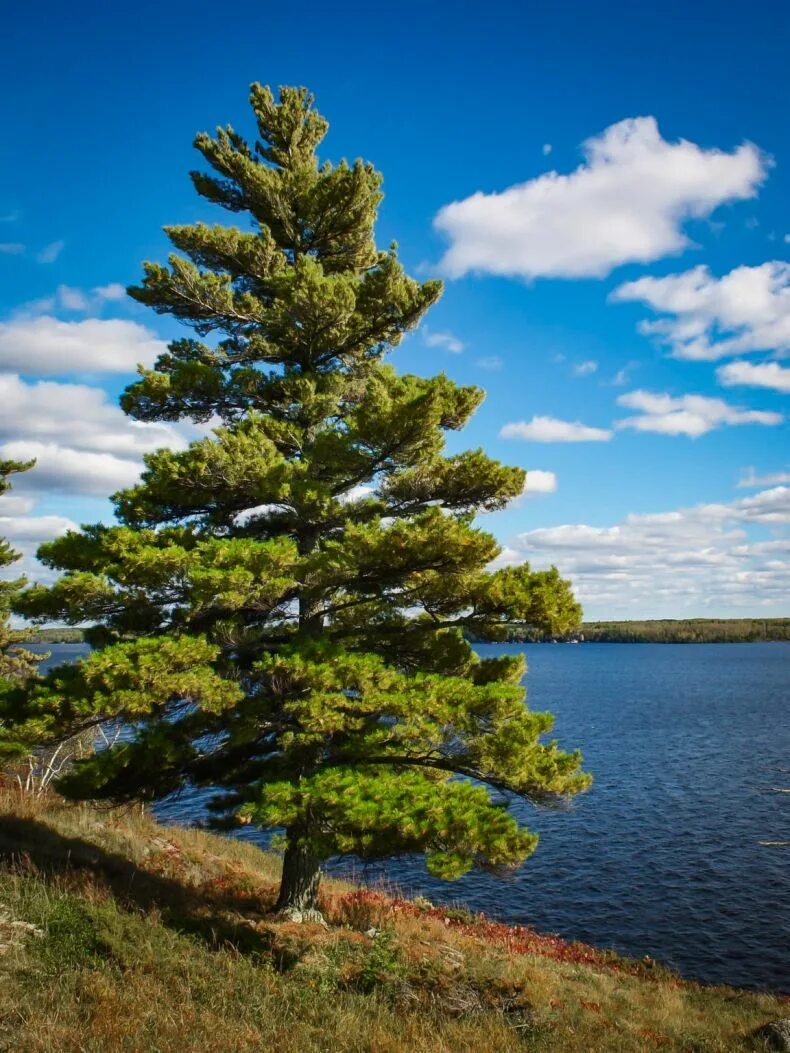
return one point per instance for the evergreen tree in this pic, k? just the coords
(15, 661)
(281, 612)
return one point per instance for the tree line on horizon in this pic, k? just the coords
(646, 630)
(663, 630)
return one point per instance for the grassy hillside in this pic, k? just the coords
(119, 935)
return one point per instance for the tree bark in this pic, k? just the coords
(298, 897)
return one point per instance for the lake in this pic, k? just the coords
(663, 857)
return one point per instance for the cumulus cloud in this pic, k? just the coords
(539, 481)
(585, 369)
(715, 558)
(47, 345)
(14, 505)
(550, 429)
(708, 318)
(60, 469)
(626, 203)
(83, 443)
(445, 340)
(691, 415)
(25, 533)
(82, 415)
(747, 374)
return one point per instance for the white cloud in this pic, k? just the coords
(69, 298)
(12, 248)
(47, 411)
(357, 493)
(750, 478)
(745, 310)
(691, 415)
(111, 291)
(83, 443)
(60, 469)
(585, 369)
(50, 252)
(673, 564)
(21, 531)
(549, 429)
(25, 533)
(14, 505)
(48, 345)
(627, 202)
(539, 481)
(747, 374)
(444, 340)
(547, 148)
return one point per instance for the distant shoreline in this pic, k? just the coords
(659, 630)
(666, 630)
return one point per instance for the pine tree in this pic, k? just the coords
(280, 613)
(15, 661)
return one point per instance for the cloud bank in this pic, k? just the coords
(50, 346)
(698, 560)
(83, 443)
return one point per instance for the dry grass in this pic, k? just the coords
(120, 935)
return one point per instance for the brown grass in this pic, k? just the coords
(117, 934)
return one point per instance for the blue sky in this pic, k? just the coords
(625, 303)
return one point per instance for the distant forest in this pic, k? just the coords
(44, 636)
(670, 630)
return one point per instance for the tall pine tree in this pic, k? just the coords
(281, 612)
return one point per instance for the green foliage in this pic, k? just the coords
(71, 939)
(280, 613)
(15, 662)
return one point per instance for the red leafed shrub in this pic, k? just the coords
(364, 909)
(361, 909)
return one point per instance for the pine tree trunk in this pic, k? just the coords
(298, 898)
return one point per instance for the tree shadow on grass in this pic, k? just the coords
(27, 843)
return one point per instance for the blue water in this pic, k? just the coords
(663, 857)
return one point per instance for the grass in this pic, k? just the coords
(120, 935)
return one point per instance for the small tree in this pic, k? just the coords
(281, 613)
(15, 661)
